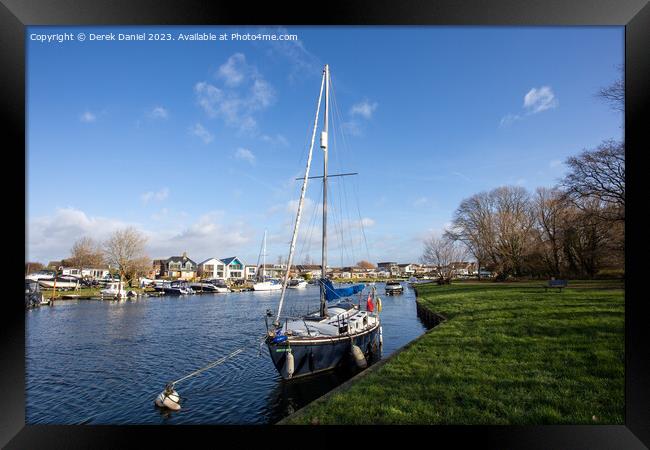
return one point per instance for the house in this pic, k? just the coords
(250, 272)
(212, 268)
(406, 270)
(233, 268)
(177, 267)
(85, 272)
(462, 269)
(313, 270)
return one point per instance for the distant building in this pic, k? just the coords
(233, 268)
(212, 268)
(85, 272)
(177, 267)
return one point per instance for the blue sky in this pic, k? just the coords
(197, 143)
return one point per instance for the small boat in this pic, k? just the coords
(114, 290)
(41, 274)
(203, 286)
(178, 287)
(270, 285)
(297, 284)
(219, 285)
(33, 294)
(62, 283)
(263, 283)
(394, 287)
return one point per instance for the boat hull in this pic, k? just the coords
(317, 355)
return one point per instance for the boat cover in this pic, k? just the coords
(332, 293)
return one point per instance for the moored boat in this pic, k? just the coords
(297, 284)
(394, 287)
(339, 332)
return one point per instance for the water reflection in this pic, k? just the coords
(104, 362)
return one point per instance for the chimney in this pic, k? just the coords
(184, 254)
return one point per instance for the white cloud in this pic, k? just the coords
(51, 237)
(535, 101)
(200, 131)
(509, 119)
(538, 100)
(211, 235)
(157, 196)
(233, 70)
(245, 154)
(364, 109)
(301, 61)
(88, 117)
(245, 92)
(158, 113)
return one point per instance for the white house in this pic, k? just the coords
(233, 268)
(250, 271)
(88, 272)
(212, 268)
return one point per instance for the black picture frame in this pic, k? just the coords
(15, 15)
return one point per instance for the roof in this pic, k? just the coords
(227, 261)
(209, 259)
(181, 259)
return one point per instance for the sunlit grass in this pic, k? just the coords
(507, 354)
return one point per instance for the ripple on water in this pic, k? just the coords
(105, 362)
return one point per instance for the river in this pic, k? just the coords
(104, 362)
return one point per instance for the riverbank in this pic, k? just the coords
(508, 353)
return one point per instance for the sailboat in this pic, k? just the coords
(263, 284)
(340, 332)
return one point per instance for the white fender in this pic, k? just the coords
(169, 401)
(289, 364)
(381, 337)
(358, 356)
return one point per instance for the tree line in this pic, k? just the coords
(574, 229)
(123, 252)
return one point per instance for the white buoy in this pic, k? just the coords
(381, 337)
(358, 356)
(169, 399)
(289, 364)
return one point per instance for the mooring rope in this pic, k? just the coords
(209, 366)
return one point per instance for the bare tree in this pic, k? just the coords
(31, 267)
(614, 94)
(599, 174)
(85, 253)
(550, 215)
(365, 265)
(442, 253)
(124, 250)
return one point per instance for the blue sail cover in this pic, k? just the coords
(332, 293)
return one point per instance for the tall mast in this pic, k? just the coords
(264, 257)
(323, 144)
(303, 190)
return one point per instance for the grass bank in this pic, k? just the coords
(508, 354)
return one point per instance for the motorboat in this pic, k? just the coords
(61, 282)
(394, 287)
(219, 284)
(297, 284)
(203, 286)
(41, 274)
(177, 287)
(114, 290)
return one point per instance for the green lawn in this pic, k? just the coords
(508, 353)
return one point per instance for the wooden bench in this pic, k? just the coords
(555, 284)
